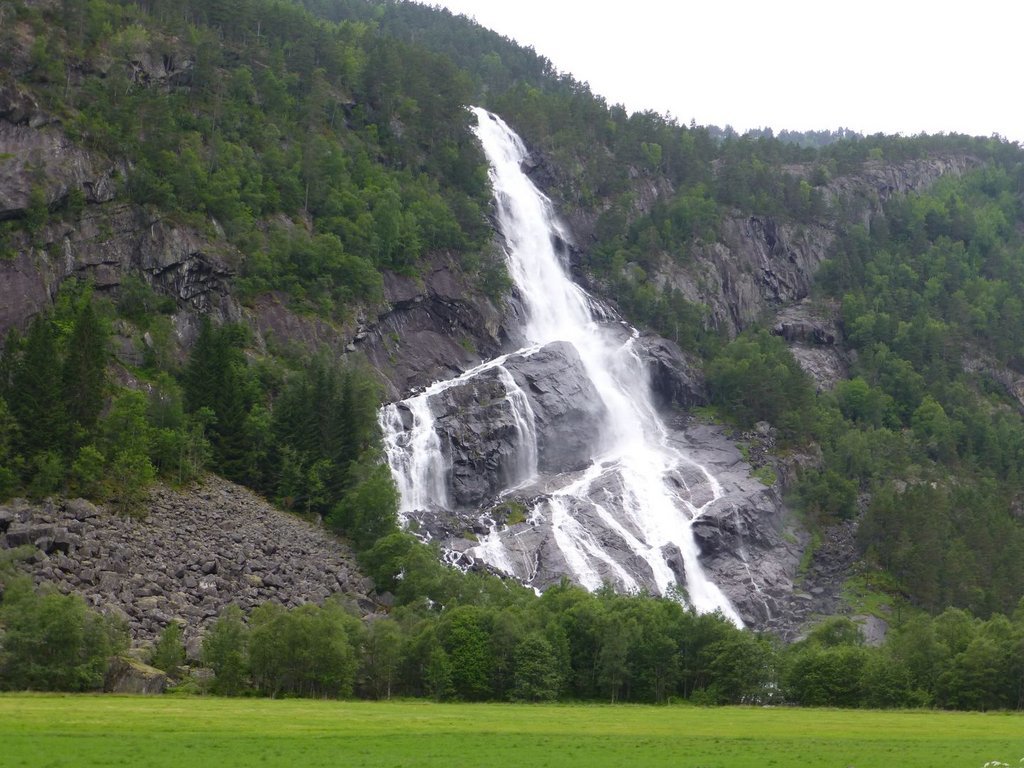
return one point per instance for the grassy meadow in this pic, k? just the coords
(53, 730)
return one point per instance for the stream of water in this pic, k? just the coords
(642, 489)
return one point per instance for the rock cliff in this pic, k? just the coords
(429, 327)
(758, 265)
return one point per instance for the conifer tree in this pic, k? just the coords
(35, 397)
(83, 376)
(215, 379)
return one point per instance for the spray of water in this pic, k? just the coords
(644, 491)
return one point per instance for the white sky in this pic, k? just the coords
(895, 66)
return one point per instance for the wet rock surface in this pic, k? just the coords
(566, 405)
(676, 378)
(746, 540)
(195, 552)
(747, 545)
(478, 430)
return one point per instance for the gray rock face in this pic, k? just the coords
(477, 426)
(676, 378)
(35, 149)
(192, 555)
(20, 108)
(430, 329)
(107, 245)
(108, 240)
(820, 593)
(746, 544)
(1012, 381)
(813, 337)
(567, 408)
(745, 540)
(477, 430)
(757, 265)
(879, 181)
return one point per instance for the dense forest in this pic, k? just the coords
(499, 643)
(325, 143)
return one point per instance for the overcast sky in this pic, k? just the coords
(895, 66)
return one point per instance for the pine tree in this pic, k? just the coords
(35, 398)
(215, 379)
(9, 357)
(83, 377)
(201, 370)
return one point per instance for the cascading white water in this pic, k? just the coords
(415, 456)
(414, 450)
(523, 465)
(639, 487)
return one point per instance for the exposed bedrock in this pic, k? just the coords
(743, 537)
(478, 431)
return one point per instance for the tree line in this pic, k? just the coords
(304, 435)
(505, 644)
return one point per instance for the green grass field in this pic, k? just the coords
(48, 730)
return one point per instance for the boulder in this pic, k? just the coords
(81, 509)
(20, 534)
(126, 675)
(676, 378)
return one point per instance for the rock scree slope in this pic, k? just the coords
(195, 552)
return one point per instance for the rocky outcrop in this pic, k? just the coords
(818, 591)
(477, 428)
(96, 239)
(432, 328)
(481, 432)
(814, 338)
(878, 181)
(109, 243)
(1010, 380)
(35, 154)
(676, 378)
(756, 266)
(194, 553)
(746, 539)
(128, 676)
(566, 406)
(281, 329)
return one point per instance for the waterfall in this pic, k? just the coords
(626, 517)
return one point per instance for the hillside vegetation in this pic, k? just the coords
(320, 147)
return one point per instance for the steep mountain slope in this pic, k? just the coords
(317, 183)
